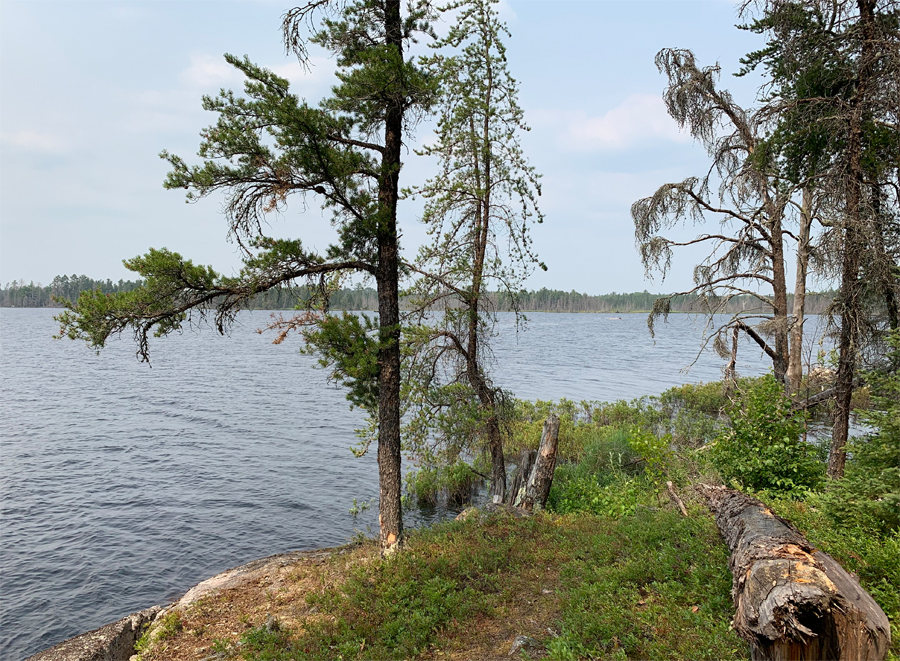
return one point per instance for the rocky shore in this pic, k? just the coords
(116, 641)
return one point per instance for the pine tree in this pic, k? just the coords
(268, 145)
(478, 212)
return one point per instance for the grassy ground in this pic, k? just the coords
(651, 585)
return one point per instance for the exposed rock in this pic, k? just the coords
(525, 643)
(113, 642)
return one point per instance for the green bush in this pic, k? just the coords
(869, 493)
(763, 450)
(454, 483)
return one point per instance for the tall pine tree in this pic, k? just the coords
(268, 145)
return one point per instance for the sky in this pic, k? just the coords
(91, 92)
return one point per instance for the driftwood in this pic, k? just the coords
(516, 492)
(675, 499)
(538, 488)
(792, 602)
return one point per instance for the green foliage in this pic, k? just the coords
(159, 632)
(618, 470)
(763, 449)
(655, 585)
(455, 482)
(580, 423)
(708, 398)
(348, 345)
(868, 495)
(573, 492)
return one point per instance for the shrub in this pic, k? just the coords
(763, 449)
(869, 493)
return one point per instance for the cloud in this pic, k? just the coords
(640, 118)
(321, 70)
(206, 71)
(37, 142)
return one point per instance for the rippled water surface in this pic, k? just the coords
(122, 485)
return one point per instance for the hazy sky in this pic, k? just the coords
(91, 92)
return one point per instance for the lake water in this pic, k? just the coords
(122, 486)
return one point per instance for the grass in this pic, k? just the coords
(651, 585)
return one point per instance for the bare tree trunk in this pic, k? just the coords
(792, 602)
(795, 360)
(516, 493)
(538, 488)
(390, 517)
(779, 299)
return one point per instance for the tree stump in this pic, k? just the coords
(516, 492)
(538, 487)
(792, 602)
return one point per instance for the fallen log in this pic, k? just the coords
(792, 602)
(538, 488)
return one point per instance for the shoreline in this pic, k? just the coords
(116, 640)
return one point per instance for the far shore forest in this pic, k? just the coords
(802, 185)
(18, 294)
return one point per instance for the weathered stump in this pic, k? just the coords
(538, 488)
(516, 492)
(792, 602)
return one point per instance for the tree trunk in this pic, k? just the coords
(795, 359)
(779, 298)
(792, 602)
(390, 518)
(538, 488)
(516, 493)
(850, 294)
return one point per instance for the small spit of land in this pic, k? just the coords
(611, 570)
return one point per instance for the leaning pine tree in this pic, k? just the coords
(478, 212)
(267, 145)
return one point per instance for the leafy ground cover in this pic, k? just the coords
(648, 585)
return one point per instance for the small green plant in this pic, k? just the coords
(763, 449)
(358, 507)
(168, 626)
(655, 451)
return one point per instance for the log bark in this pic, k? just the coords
(516, 491)
(792, 602)
(538, 488)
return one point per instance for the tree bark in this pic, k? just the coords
(795, 357)
(850, 295)
(516, 492)
(390, 517)
(792, 602)
(538, 488)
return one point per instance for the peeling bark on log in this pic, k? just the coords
(792, 602)
(516, 492)
(538, 488)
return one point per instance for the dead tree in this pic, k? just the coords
(516, 493)
(793, 602)
(747, 254)
(538, 487)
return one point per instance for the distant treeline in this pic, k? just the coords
(31, 295)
